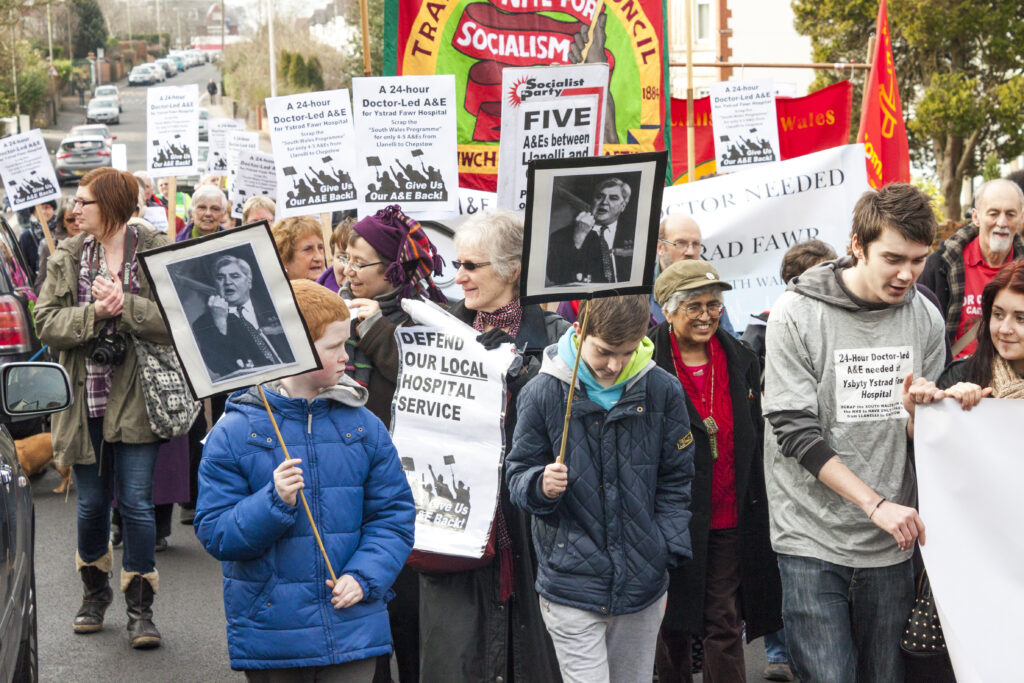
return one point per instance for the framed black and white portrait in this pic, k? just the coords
(230, 309)
(591, 226)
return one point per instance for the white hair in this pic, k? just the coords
(498, 233)
(680, 297)
(209, 192)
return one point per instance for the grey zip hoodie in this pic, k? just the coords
(834, 370)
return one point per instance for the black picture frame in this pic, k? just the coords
(561, 259)
(265, 337)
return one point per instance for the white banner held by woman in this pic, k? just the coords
(448, 422)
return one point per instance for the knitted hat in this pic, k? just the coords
(686, 274)
(403, 241)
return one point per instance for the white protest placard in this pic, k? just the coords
(27, 172)
(749, 219)
(172, 131)
(547, 112)
(448, 384)
(969, 469)
(236, 142)
(314, 150)
(744, 123)
(119, 156)
(406, 132)
(255, 177)
(217, 130)
(869, 383)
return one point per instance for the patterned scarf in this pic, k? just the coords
(507, 318)
(1006, 383)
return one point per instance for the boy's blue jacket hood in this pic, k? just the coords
(276, 601)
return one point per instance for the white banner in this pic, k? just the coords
(449, 412)
(217, 130)
(119, 156)
(255, 176)
(547, 112)
(313, 145)
(172, 131)
(749, 219)
(236, 142)
(27, 172)
(406, 134)
(744, 123)
(969, 469)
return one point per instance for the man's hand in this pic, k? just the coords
(288, 481)
(903, 523)
(968, 394)
(555, 480)
(348, 592)
(109, 298)
(584, 224)
(917, 391)
(219, 311)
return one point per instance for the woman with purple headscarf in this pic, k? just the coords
(389, 258)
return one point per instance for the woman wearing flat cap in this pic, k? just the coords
(733, 578)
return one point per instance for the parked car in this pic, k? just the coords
(158, 72)
(204, 124)
(93, 129)
(27, 390)
(79, 154)
(102, 109)
(109, 91)
(170, 68)
(179, 60)
(141, 75)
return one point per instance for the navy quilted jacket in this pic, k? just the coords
(606, 543)
(277, 604)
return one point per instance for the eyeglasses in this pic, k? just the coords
(345, 263)
(681, 245)
(469, 265)
(84, 202)
(695, 310)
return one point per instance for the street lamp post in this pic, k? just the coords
(273, 51)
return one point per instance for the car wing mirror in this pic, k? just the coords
(33, 389)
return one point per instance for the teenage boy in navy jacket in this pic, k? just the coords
(283, 611)
(609, 522)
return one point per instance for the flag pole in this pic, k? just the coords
(691, 125)
(572, 384)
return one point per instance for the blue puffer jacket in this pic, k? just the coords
(276, 600)
(605, 544)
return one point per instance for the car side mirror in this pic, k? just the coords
(33, 389)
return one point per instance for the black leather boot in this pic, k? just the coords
(139, 590)
(96, 593)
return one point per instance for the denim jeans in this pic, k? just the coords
(128, 467)
(775, 647)
(843, 625)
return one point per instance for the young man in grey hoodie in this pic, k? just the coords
(844, 344)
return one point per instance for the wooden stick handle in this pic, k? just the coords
(280, 440)
(572, 384)
(46, 229)
(365, 20)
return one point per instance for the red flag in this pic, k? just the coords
(882, 129)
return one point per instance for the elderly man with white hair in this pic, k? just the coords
(959, 270)
(208, 208)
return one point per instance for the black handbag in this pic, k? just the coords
(922, 638)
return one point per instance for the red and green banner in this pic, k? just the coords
(475, 40)
(807, 124)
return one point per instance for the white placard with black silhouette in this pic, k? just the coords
(314, 150)
(745, 123)
(591, 226)
(236, 142)
(547, 112)
(407, 146)
(255, 176)
(217, 158)
(27, 172)
(449, 384)
(232, 315)
(172, 131)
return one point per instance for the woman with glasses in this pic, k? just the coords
(478, 623)
(733, 578)
(334, 278)
(95, 299)
(67, 226)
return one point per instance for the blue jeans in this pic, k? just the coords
(843, 625)
(129, 468)
(775, 647)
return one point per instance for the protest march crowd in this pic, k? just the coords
(717, 485)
